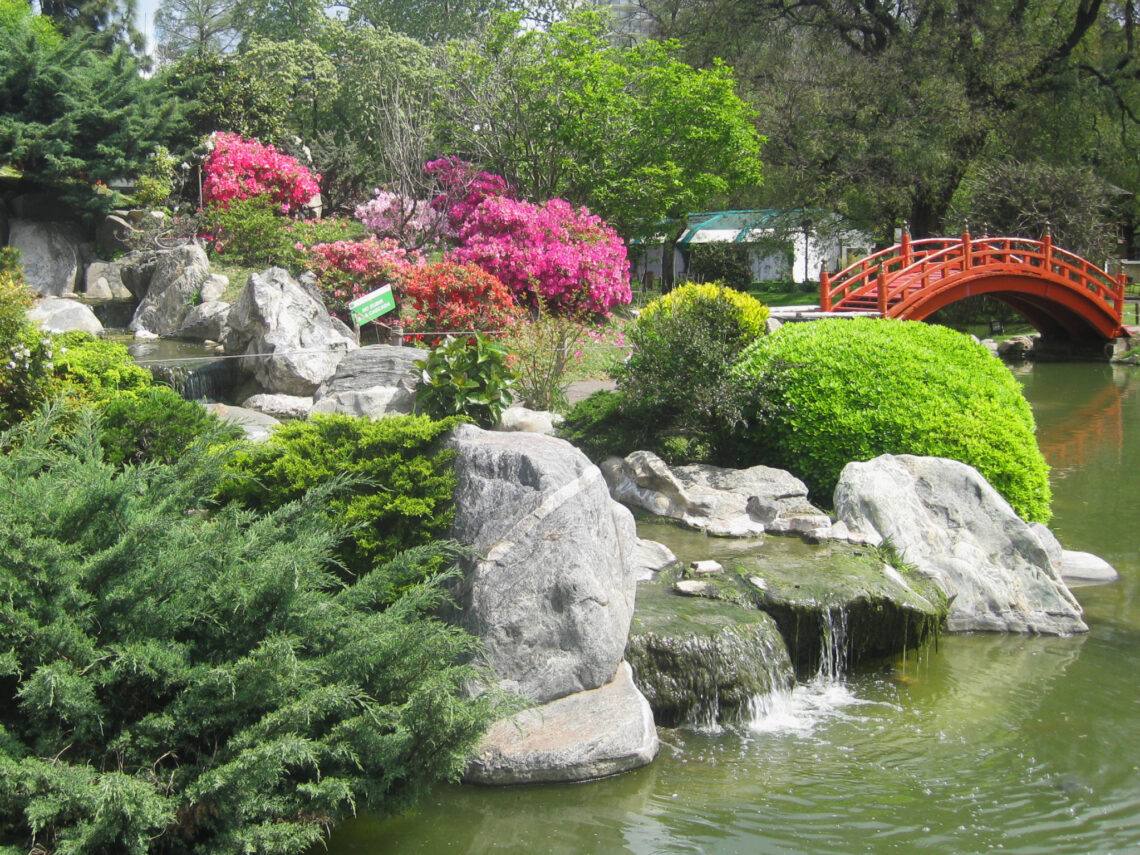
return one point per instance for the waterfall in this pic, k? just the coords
(833, 641)
(211, 381)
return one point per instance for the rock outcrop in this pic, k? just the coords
(174, 286)
(727, 502)
(945, 519)
(373, 381)
(551, 595)
(587, 735)
(60, 314)
(51, 255)
(286, 338)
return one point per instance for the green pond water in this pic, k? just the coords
(988, 743)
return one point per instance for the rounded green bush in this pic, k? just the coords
(844, 390)
(750, 312)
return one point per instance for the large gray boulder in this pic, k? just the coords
(174, 288)
(587, 735)
(727, 502)
(103, 281)
(287, 340)
(204, 322)
(50, 255)
(373, 381)
(551, 593)
(59, 315)
(946, 520)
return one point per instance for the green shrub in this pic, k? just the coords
(25, 352)
(729, 263)
(677, 384)
(93, 368)
(853, 389)
(466, 377)
(174, 680)
(156, 424)
(600, 427)
(404, 482)
(253, 233)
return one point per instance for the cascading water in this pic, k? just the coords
(800, 707)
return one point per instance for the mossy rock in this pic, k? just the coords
(845, 595)
(701, 662)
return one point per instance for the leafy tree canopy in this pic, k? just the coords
(633, 133)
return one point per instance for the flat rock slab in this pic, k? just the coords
(587, 735)
(257, 426)
(719, 501)
(1084, 568)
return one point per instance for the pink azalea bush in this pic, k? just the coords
(237, 168)
(412, 222)
(346, 270)
(566, 256)
(464, 188)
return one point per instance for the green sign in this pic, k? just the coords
(370, 306)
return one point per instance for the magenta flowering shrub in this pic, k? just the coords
(463, 188)
(412, 222)
(565, 255)
(346, 270)
(237, 168)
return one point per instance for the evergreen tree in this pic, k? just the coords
(177, 677)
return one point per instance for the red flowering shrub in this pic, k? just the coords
(447, 297)
(237, 168)
(565, 255)
(346, 270)
(464, 188)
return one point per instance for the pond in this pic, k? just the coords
(988, 742)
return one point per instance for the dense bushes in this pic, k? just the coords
(25, 352)
(676, 386)
(176, 680)
(445, 298)
(156, 423)
(848, 390)
(402, 494)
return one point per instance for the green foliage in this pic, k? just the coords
(845, 390)
(466, 377)
(92, 368)
(678, 385)
(633, 133)
(176, 680)
(156, 424)
(543, 350)
(723, 262)
(402, 494)
(252, 232)
(158, 181)
(25, 352)
(71, 116)
(601, 427)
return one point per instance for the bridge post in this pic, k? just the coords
(905, 246)
(1047, 246)
(882, 289)
(967, 255)
(824, 291)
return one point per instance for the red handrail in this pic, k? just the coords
(900, 277)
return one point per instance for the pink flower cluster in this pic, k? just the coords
(411, 221)
(464, 188)
(346, 270)
(237, 168)
(568, 256)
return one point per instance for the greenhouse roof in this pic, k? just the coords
(740, 226)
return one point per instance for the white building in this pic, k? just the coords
(782, 245)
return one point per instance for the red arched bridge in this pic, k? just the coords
(1061, 294)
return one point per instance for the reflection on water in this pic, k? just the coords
(1022, 744)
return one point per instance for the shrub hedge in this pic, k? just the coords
(403, 483)
(844, 390)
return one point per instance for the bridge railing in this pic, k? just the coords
(897, 276)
